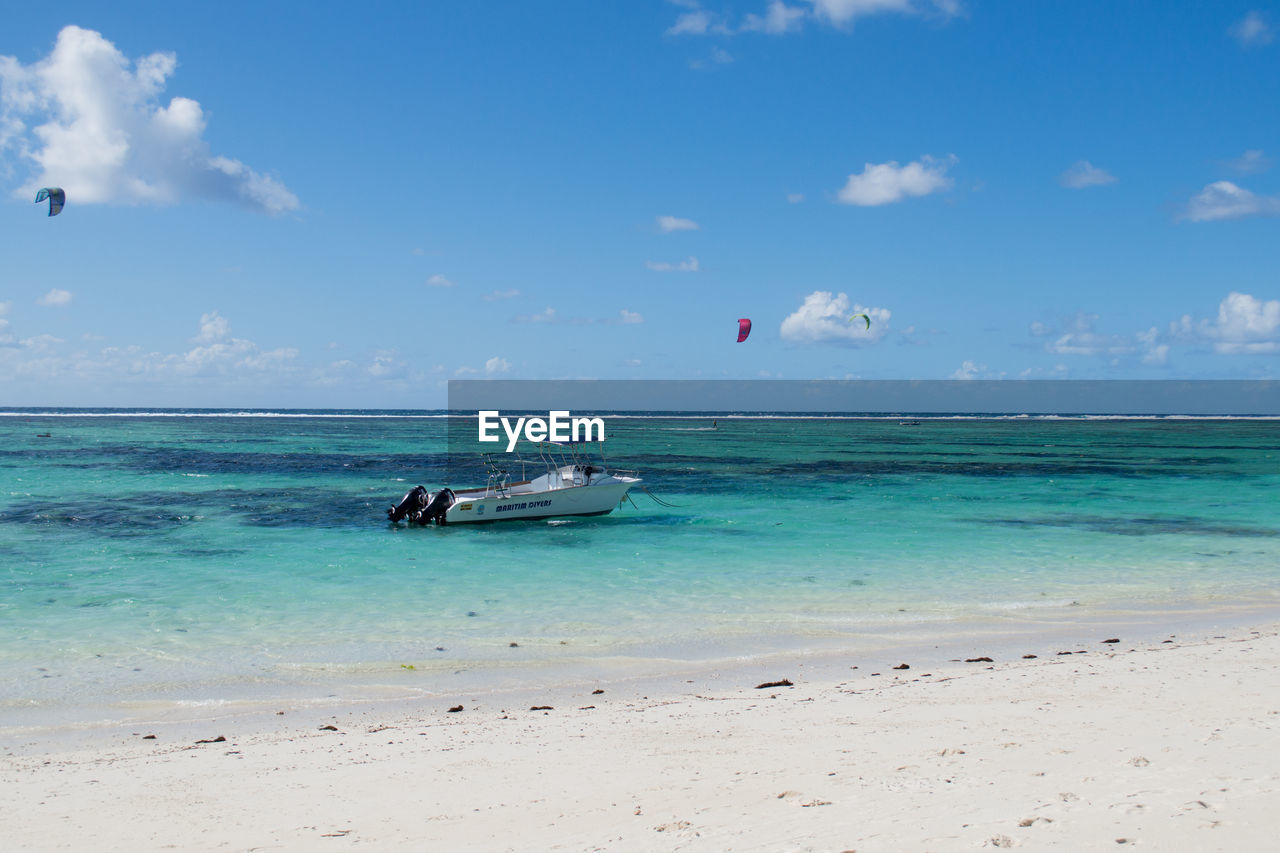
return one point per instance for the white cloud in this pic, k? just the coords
(212, 328)
(973, 370)
(841, 12)
(496, 365)
(43, 344)
(1058, 371)
(1153, 352)
(887, 183)
(500, 295)
(1244, 324)
(1084, 174)
(550, 315)
(691, 265)
(718, 56)
(439, 280)
(1244, 321)
(217, 352)
(1225, 200)
(384, 365)
(1081, 338)
(795, 198)
(243, 184)
(55, 297)
(667, 224)
(257, 360)
(1251, 162)
(777, 20)
(215, 366)
(215, 355)
(825, 317)
(88, 119)
(547, 315)
(1253, 30)
(780, 18)
(695, 23)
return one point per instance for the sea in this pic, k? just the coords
(159, 560)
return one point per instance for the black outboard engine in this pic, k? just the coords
(435, 508)
(413, 502)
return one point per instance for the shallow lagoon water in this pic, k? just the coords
(210, 556)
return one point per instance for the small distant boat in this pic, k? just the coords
(908, 423)
(569, 484)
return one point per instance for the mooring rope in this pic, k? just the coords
(659, 501)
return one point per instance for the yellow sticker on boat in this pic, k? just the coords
(465, 507)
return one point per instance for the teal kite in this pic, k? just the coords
(57, 198)
(863, 316)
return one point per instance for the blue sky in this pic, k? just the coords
(306, 204)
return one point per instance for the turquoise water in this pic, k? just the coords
(187, 558)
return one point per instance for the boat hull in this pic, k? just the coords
(598, 499)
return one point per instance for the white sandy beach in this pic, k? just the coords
(1158, 745)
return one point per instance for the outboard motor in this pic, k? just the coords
(413, 502)
(435, 508)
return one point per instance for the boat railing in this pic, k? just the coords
(497, 478)
(499, 474)
(552, 459)
(500, 470)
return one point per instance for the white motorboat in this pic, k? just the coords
(564, 482)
